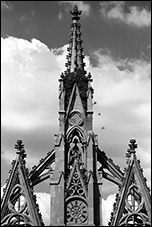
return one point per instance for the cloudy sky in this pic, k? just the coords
(117, 46)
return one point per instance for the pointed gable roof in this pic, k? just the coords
(18, 206)
(76, 182)
(75, 102)
(133, 202)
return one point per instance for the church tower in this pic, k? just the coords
(75, 184)
(75, 179)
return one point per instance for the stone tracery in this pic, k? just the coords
(76, 196)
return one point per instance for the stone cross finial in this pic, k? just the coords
(132, 146)
(19, 146)
(75, 11)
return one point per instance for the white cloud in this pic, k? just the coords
(84, 7)
(107, 207)
(138, 17)
(124, 80)
(43, 199)
(28, 71)
(124, 102)
(29, 76)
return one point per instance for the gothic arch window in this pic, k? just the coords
(75, 152)
(75, 131)
(134, 201)
(76, 147)
(135, 213)
(135, 219)
(16, 219)
(18, 211)
(19, 204)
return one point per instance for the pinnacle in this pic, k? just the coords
(75, 50)
(75, 11)
(19, 146)
(131, 150)
(132, 146)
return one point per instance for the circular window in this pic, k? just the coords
(76, 211)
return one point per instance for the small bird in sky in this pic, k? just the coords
(99, 114)
(102, 128)
(94, 103)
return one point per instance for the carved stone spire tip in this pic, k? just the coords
(131, 150)
(75, 50)
(132, 146)
(19, 146)
(75, 11)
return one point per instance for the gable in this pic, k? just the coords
(132, 206)
(18, 205)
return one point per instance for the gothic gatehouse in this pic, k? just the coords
(76, 180)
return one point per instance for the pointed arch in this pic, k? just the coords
(18, 204)
(75, 131)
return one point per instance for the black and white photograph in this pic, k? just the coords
(76, 113)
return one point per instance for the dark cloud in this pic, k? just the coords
(6, 5)
(134, 15)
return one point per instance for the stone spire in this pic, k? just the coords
(75, 50)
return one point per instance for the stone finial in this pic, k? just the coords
(132, 146)
(62, 76)
(89, 75)
(19, 146)
(75, 11)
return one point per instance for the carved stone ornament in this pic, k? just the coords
(18, 210)
(135, 209)
(76, 211)
(76, 118)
